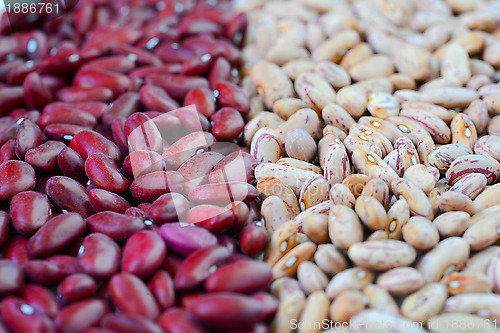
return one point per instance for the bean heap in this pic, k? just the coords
(376, 128)
(122, 186)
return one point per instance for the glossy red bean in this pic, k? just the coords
(61, 115)
(79, 94)
(117, 64)
(192, 120)
(161, 286)
(59, 232)
(220, 71)
(140, 56)
(4, 227)
(29, 211)
(68, 61)
(197, 169)
(87, 143)
(44, 157)
(241, 212)
(186, 147)
(67, 194)
(99, 256)
(81, 315)
(41, 299)
(123, 106)
(213, 218)
(130, 295)
(62, 132)
(10, 98)
(228, 310)
(142, 162)
(130, 323)
(16, 250)
(11, 277)
(67, 264)
(196, 267)
(156, 99)
(87, 78)
(72, 165)
(237, 166)
(170, 207)
(227, 124)
(15, 177)
(203, 99)
(253, 239)
(21, 317)
(36, 93)
(151, 186)
(230, 95)
(28, 136)
(7, 151)
(102, 200)
(243, 276)
(42, 272)
(235, 30)
(229, 243)
(94, 108)
(142, 133)
(143, 253)
(223, 193)
(104, 173)
(176, 320)
(76, 287)
(186, 239)
(177, 86)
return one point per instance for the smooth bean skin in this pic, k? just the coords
(15, 177)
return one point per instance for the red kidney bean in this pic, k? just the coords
(99, 256)
(76, 287)
(67, 194)
(81, 315)
(68, 61)
(237, 166)
(197, 169)
(103, 173)
(142, 133)
(129, 323)
(186, 147)
(7, 151)
(156, 99)
(29, 211)
(44, 157)
(11, 277)
(36, 93)
(176, 320)
(143, 253)
(67, 264)
(28, 136)
(102, 200)
(228, 310)
(59, 115)
(202, 63)
(96, 109)
(162, 288)
(174, 54)
(97, 330)
(244, 276)
(16, 250)
(15, 177)
(118, 133)
(10, 98)
(42, 272)
(229, 243)
(223, 193)
(220, 71)
(203, 99)
(4, 227)
(196, 267)
(54, 82)
(171, 264)
(169, 207)
(123, 106)
(142, 162)
(79, 94)
(235, 30)
(21, 317)
(253, 239)
(141, 57)
(87, 78)
(87, 143)
(144, 206)
(118, 64)
(151, 186)
(241, 212)
(192, 120)
(269, 304)
(176, 86)
(213, 218)
(38, 45)
(59, 232)
(142, 72)
(62, 132)
(230, 95)
(8, 128)
(227, 124)
(41, 299)
(18, 74)
(72, 165)
(186, 239)
(136, 212)
(130, 295)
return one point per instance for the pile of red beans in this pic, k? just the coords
(126, 203)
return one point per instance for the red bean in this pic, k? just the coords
(15, 177)
(21, 317)
(162, 288)
(227, 124)
(67, 62)
(11, 277)
(28, 136)
(16, 250)
(29, 211)
(213, 218)
(4, 227)
(41, 299)
(244, 276)
(196, 170)
(130, 323)
(117, 64)
(102, 200)
(44, 157)
(81, 315)
(178, 320)
(143, 253)
(231, 95)
(78, 94)
(221, 70)
(59, 232)
(142, 162)
(142, 133)
(223, 193)
(123, 106)
(237, 166)
(176, 86)
(169, 207)
(186, 147)
(72, 165)
(253, 239)
(187, 239)
(76, 287)
(130, 295)
(155, 98)
(99, 256)
(103, 173)
(10, 98)
(36, 92)
(67, 194)
(93, 108)
(62, 115)
(87, 78)
(87, 143)
(7, 151)
(67, 264)
(42, 272)
(203, 99)
(62, 132)
(151, 186)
